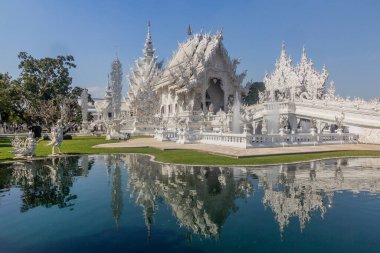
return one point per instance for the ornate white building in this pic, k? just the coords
(196, 98)
(200, 77)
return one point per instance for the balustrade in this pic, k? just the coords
(246, 140)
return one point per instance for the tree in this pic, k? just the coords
(9, 99)
(253, 93)
(47, 92)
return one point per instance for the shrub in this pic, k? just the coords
(67, 137)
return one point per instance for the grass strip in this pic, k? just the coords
(84, 145)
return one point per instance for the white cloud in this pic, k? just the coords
(96, 91)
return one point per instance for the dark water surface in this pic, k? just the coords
(125, 203)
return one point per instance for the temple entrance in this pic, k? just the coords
(215, 95)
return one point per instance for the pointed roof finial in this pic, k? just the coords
(304, 56)
(149, 27)
(148, 48)
(283, 51)
(189, 31)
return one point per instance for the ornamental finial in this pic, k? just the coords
(283, 51)
(148, 49)
(189, 31)
(304, 56)
(149, 28)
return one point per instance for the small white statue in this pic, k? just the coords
(56, 137)
(211, 108)
(339, 120)
(24, 148)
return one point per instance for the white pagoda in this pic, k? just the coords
(142, 99)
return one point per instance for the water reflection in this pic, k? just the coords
(304, 189)
(114, 165)
(46, 182)
(200, 198)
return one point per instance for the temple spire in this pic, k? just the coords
(283, 50)
(189, 31)
(148, 48)
(304, 55)
(108, 83)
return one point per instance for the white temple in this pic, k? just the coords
(196, 98)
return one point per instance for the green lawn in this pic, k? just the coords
(84, 145)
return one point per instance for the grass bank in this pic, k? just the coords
(84, 145)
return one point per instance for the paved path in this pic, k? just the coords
(237, 152)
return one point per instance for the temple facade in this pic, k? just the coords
(200, 78)
(196, 97)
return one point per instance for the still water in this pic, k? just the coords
(126, 203)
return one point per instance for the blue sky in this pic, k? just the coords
(342, 34)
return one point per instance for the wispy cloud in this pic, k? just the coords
(96, 91)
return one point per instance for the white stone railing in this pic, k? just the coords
(165, 135)
(247, 140)
(288, 106)
(259, 140)
(226, 139)
(184, 136)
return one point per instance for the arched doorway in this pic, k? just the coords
(215, 95)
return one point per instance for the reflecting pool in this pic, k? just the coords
(126, 203)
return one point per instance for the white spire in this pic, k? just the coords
(148, 48)
(283, 50)
(189, 31)
(304, 55)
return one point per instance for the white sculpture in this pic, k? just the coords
(24, 148)
(56, 137)
(84, 105)
(290, 83)
(331, 92)
(113, 128)
(284, 121)
(339, 122)
(211, 108)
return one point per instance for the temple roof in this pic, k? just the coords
(191, 57)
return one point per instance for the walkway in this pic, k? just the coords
(237, 152)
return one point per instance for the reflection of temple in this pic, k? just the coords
(201, 198)
(303, 189)
(114, 166)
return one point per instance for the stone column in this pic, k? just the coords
(204, 100)
(225, 94)
(254, 125)
(319, 126)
